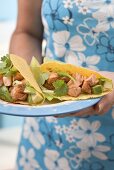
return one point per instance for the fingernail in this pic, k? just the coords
(100, 107)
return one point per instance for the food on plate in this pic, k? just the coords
(17, 83)
(68, 82)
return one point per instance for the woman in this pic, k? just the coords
(79, 32)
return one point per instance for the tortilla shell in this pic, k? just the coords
(22, 66)
(55, 66)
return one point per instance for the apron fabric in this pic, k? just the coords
(80, 32)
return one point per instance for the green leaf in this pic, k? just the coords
(6, 60)
(66, 75)
(29, 99)
(44, 76)
(11, 72)
(38, 74)
(29, 90)
(5, 95)
(2, 65)
(49, 96)
(61, 88)
(5, 65)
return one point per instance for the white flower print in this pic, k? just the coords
(53, 161)
(74, 125)
(72, 59)
(91, 149)
(70, 138)
(79, 2)
(81, 60)
(105, 20)
(68, 131)
(73, 157)
(27, 161)
(51, 119)
(64, 45)
(105, 5)
(59, 144)
(32, 133)
(84, 10)
(49, 53)
(68, 20)
(89, 61)
(89, 31)
(58, 129)
(68, 3)
(87, 132)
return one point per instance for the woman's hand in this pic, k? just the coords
(102, 106)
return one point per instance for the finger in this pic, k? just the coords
(104, 105)
(63, 115)
(85, 112)
(82, 113)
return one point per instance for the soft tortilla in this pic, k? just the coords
(55, 66)
(22, 66)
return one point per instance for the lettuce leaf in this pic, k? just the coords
(38, 74)
(66, 75)
(49, 94)
(29, 90)
(5, 95)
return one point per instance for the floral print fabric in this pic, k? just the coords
(80, 32)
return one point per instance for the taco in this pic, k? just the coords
(68, 82)
(17, 83)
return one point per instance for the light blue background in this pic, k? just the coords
(8, 10)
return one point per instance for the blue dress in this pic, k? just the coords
(80, 32)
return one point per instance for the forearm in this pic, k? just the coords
(26, 46)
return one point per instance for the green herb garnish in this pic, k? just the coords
(6, 66)
(61, 88)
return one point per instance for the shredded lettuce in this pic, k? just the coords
(5, 95)
(66, 75)
(29, 90)
(33, 99)
(49, 96)
(38, 74)
(29, 99)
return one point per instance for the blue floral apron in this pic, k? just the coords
(80, 32)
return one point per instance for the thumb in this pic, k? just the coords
(104, 105)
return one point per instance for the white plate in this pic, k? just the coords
(45, 110)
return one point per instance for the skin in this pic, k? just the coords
(26, 42)
(27, 38)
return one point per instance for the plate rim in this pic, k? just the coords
(30, 111)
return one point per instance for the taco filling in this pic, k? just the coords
(62, 84)
(68, 82)
(13, 86)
